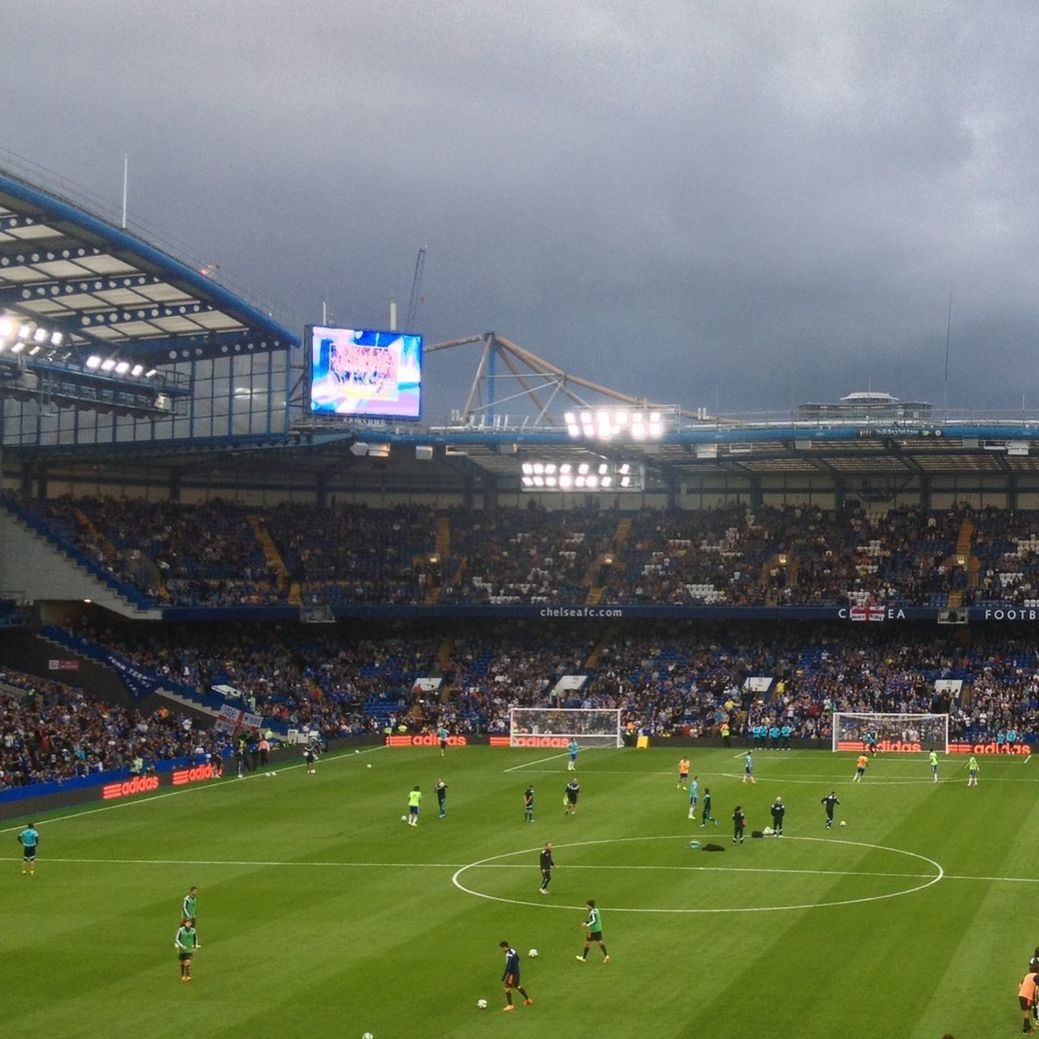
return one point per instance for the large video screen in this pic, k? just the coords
(361, 373)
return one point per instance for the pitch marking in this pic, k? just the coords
(928, 880)
(196, 788)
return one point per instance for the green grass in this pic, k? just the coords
(321, 913)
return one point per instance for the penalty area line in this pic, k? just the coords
(540, 761)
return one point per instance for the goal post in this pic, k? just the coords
(893, 732)
(590, 726)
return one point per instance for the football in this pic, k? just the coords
(532, 953)
(404, 819)
(481, 1004)
(843, 823)
(367, 1035)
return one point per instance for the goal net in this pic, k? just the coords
(897, 732)
(590, 726)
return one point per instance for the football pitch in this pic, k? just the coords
(321, 912)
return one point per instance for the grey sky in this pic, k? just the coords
(734, 205)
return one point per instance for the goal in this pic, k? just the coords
(898, 732)
(590, 726)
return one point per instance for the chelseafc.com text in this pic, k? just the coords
(580, 611)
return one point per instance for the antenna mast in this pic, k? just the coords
(416, 284)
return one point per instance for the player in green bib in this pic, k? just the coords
(414, 804)
(593, 932)
(186, 942)
(189, 907)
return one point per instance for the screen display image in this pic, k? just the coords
(362, 373)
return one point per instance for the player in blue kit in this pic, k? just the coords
(511, 977)
(29, 839)
(694, 795)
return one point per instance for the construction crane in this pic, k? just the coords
(416, 284)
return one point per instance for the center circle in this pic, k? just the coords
(924, 880)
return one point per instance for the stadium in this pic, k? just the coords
(229, 545)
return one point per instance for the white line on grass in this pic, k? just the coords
(515, 865)
(193, 789)
(928, 880)
(540, 761)
(458, 866)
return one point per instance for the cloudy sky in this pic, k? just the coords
(740, 206)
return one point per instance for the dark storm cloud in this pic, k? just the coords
(740, 206)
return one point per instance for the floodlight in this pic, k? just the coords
(56, 338)
(6, 327)
(93, 361)
(40, 335)
(24, 331)
(122, 367)
(583, 476)
(18, 347)
(108, 364)
(136, 370)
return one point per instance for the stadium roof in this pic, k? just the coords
(110, 291)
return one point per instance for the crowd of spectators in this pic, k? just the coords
(224, 554)
(678, 679)
(675, 679)
(51, 732)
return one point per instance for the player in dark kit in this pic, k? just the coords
(707, 817)
(830, 803)
(778, 811)
(570, 796)
(546, 868)
(528, 805)
(739, 824)
(441, 789)
(511, 978)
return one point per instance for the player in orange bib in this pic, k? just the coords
(860, 767)
(1026, 994)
